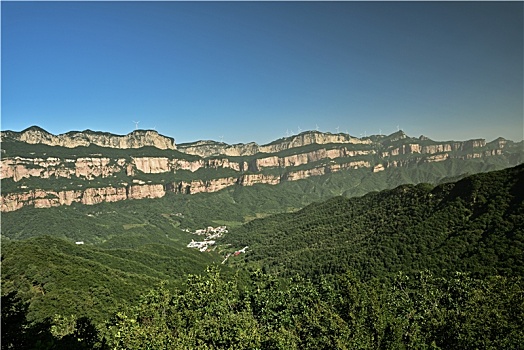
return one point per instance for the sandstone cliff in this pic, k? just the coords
(212, 148)
(135, 139)
(17, 168)
(46, 199)
(214, 166)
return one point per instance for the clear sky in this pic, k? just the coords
(254, 71)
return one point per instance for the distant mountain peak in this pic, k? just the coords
(71, 139)
(34, 128)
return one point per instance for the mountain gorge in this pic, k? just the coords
(42, 170)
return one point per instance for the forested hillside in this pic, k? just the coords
(418, 266)
(54, 276)
(474, 225)
(409, 311)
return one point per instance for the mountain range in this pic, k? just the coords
(42, 170)
(329, 241)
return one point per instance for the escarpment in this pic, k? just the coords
(91, 167)
(211, 148)
(135, 139)
(46, 199)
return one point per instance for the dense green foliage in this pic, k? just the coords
(412, 312)
(474, 225)
(417, 311)
(56, 276)
(414, 267)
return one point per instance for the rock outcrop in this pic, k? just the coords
(47, 199)
(17, 168)
(212, 148)
(206, 166)
(135, 139)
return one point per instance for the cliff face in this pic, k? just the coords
(211, 148)
(105, 178)
(135, 139)
(413, 148)
(17, 168)
(46, 199)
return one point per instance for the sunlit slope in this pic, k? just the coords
(475, 225)
(60, 277)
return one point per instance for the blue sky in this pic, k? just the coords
(254, 71)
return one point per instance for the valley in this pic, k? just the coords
(262, 175)
(309, 241)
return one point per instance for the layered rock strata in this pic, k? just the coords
(290, 159)
(212, 148)
(135, 139)
(46, 199)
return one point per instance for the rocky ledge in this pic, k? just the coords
(206, 166)
(135, 139)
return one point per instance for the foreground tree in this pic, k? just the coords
(412, 311)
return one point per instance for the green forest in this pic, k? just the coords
(214, 311)
(474, 225)
(427, 266)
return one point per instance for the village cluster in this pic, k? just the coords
(211, 234)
